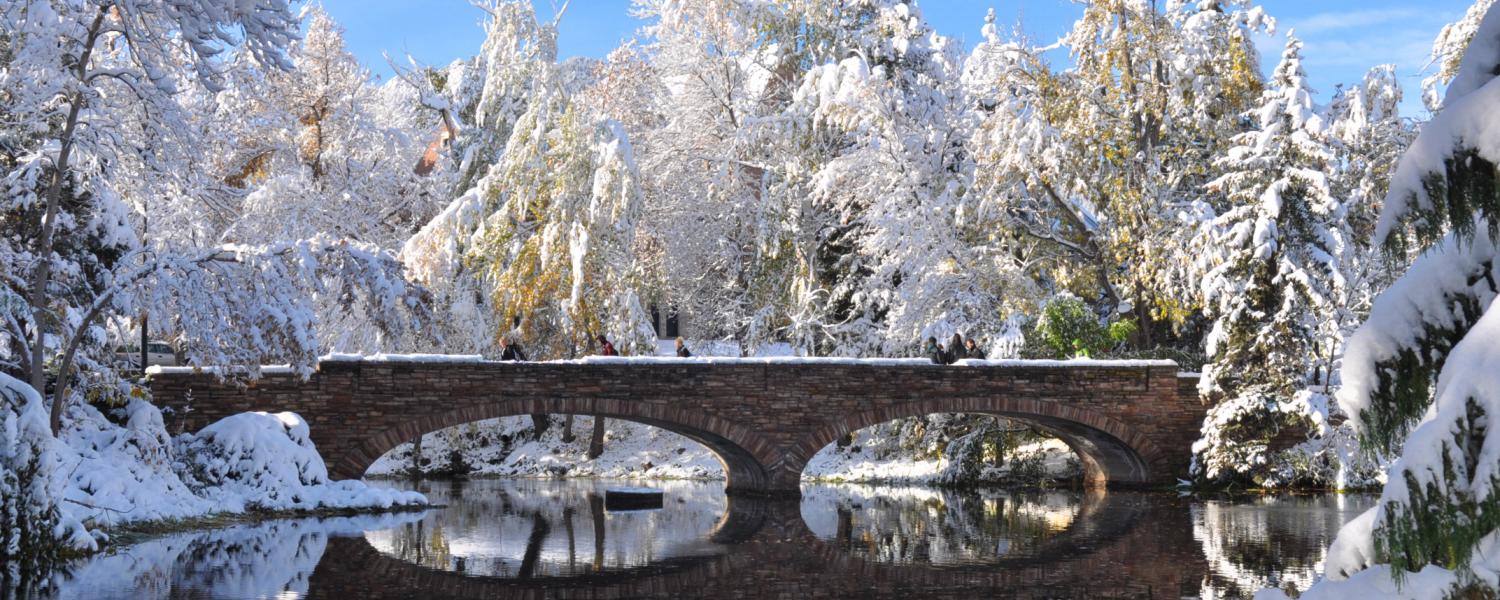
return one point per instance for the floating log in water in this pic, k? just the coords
(632, 498)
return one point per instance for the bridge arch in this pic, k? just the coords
(729, 442)
(1111, 452)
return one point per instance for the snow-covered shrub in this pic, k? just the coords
(28, 509)
(34, 532)
(267, 460)
(260, 461)
(1068, 328)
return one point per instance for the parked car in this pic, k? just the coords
(157, 354)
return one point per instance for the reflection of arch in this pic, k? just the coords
(728, 441)
(1110, 451)
(773, 546)
(1102, 518)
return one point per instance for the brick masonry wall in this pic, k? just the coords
(1130, 425)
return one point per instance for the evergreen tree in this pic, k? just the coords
(1275, 271)
(1424, 362)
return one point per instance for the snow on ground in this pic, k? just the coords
(505, 447)
(1432, 583)
(873, 457)
(124, 468)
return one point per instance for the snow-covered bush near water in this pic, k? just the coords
(259, 461)
(99, 474)
(34, 531)
(119, 475)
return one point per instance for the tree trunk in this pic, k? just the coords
(539, 530)
(416, 458)
(596, 510)
(144, 339)
(42, 275)
(539, 425)
(567, 436)
(596, 443)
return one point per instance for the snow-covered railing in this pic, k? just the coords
(697, 360)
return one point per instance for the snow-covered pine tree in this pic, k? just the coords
(1448, 50)
(1425, 361)
(1368, 136)
(1274, 270)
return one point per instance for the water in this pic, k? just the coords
(545, 539)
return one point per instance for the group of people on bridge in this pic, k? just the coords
(957, 349)
(511, 351)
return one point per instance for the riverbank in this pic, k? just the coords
(136, 533)
(115, 470)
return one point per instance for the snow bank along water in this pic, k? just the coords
(102, 472)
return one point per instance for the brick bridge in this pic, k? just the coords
(1131, 423)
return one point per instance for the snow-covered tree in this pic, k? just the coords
(1424, 362)
(80, 79)
(1273, 275)
(716, 150)
(891, 264)
(1448, 50)
(1102, 164)
(314, 153)
(99, 97)
(545, 240)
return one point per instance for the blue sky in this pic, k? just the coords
(1343, 37)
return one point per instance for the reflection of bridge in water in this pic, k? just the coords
(772, 553)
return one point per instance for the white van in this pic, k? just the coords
(157, 354)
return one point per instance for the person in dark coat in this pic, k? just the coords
(606, 348)
(682, 351)
(933, 352)
(955, 349)
(972, 351)
(511, 351)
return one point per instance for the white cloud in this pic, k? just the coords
(1343, 20)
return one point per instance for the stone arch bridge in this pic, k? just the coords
(1130, 422)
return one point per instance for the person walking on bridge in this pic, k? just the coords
(933, 352)
(955, 351)
(682, 351)
(511, 351)
(972, 350)
(606, 348)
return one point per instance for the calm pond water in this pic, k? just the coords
(556, 539)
